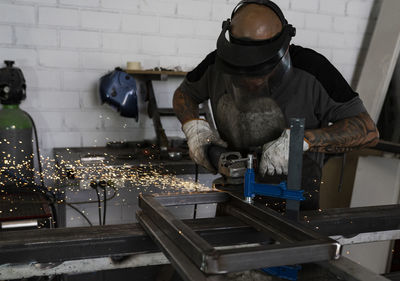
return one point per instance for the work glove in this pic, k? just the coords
(275, 155)
(199, 135)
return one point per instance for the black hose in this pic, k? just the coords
(103, 185)
(90, 202)
(99, 203)
(50, 196)
(81, 213)
(47, 192)
(105, 205)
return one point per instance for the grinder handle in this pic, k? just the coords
(214, 153)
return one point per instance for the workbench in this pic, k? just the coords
(81, 165)
(88, 249)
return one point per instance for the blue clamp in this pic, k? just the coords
(251, 189)
(285, 272)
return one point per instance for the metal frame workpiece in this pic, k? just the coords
(196, 259)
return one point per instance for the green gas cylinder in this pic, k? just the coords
(16, 144)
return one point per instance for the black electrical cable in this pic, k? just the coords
(90, 202)
(94, 185)
(47, 192)
(103, 185)
(99, 204)
(105, 206)
(80, 212)
(50, 196)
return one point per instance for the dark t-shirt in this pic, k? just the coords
(315, 91)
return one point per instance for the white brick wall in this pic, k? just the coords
(319, 22)
(58, 16)
(194, 9)
(89, 3)
(359, 8)
(36, 36)
(79, 39)
(345, 24)
(17, 14)
(58, 58)
(6, 34)
(305, 5)
(42, 79)
(64, 46)
(158, 46)
(176, 26)
(101, 20)
(330, 7)
(140, 24)
(119, 42)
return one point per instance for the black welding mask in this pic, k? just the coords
(254, 67)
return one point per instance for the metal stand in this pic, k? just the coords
(154, 112)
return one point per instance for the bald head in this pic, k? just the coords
(256, 22)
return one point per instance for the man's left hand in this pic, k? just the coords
(275, 155)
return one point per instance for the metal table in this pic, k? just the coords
(88, 249)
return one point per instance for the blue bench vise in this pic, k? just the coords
(291, 191)
(235, 171)
(252, 188)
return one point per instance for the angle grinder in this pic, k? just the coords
(229, 164)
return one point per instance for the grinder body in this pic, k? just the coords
(228, 163)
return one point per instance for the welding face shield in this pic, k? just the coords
(118, 89)
(254, 66)
(246, 87)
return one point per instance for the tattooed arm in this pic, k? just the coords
(184, 106)
(344, 135)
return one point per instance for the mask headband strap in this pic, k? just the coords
(266, 3)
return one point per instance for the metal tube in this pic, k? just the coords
(250, 161)
(191, 243)
(295, 165)
(186, 268)
(192, 198)
(18, 224)
(271, 255)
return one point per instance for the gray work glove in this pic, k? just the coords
(199, 135)
(275, 155)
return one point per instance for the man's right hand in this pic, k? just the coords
(199, 135)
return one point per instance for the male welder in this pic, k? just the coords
(256, 81)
